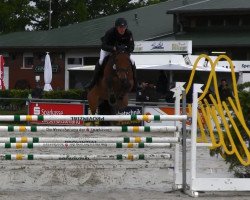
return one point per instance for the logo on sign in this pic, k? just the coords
(37, 110)
(158, 45)
(245, 66)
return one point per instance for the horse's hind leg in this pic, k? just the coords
(93, 104)
(93, 101)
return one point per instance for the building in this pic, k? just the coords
(78, 45)
(221, 26)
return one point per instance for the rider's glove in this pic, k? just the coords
(121, 47)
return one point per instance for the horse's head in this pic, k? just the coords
(122, 69)
(116, 83)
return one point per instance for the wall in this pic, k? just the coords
(17, 72)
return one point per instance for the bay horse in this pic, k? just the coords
(113, 87)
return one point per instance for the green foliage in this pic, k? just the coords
(15, 15)
(54, 94)
(234, 163)
(100, 8)
(18, 15)
(61, 94)
(16, 95)
(62, 13)
(17, 105)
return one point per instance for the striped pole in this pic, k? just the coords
(18, 118)
(84, 157)
(88, 140)
(89, 129)
(84, 145)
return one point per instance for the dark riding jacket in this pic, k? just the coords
(113, 39)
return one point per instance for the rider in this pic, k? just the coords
(118, 37)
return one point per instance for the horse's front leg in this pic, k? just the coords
(111, 95)
(123, 103)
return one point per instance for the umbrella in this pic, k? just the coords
(47, 73)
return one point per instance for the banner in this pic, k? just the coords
(130, 110)
(2, 87)
(180, 46)
(57, 109)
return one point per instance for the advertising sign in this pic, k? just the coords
(131, 110)
(180, 46)
(44, 108)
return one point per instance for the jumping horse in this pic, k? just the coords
(113, 87)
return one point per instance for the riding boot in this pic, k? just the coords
(96, 76)
(134, 77)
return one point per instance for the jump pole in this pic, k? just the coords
(88, 140)
(89, 129)
(34, 118)
(84, 145)
(84, 157)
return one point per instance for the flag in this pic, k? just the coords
(2, 87)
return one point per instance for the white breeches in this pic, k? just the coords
(103, 54)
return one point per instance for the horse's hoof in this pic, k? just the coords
(112, 99)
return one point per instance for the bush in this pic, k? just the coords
(57, 94)
(61, 94)
(17, 105)
(235, 166)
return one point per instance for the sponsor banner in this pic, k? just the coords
(131, 110)
(41, 108)
(180, 46)
(2, 87)
(240, 66)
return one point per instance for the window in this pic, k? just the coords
(28, 60)
(202, 22)
(246, 20)
(232, 21)
(217, 21)
(75, 61)
(90, 60)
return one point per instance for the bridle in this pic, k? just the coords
(118, 69)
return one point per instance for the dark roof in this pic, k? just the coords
(214, 6)
(214, 39)
(152, 22)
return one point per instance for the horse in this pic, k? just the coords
(113, 87)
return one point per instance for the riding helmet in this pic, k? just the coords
(121, 22)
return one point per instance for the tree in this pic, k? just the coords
(21, 15)
(100, 8)
(15, 15)
(63, 12)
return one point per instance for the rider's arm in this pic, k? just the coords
(131, 44)
(107, 41)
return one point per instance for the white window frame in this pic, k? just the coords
(27, 55)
